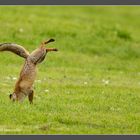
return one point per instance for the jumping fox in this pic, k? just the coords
(24, 84)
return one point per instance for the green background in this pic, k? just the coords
(91, 86)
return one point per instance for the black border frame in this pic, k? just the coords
(71, 137)
(69, 2)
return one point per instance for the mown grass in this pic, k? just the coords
(91, 86)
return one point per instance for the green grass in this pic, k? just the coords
(91, 86)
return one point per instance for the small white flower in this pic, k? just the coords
(38, 81)
(85, 83)
(21, 30)
(46, 90)
(106, 82)
(14, 78)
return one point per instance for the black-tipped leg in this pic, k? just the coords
(50, 40)
(51, 49)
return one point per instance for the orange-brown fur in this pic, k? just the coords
(23, 86)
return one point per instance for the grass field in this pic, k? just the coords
(91, 86)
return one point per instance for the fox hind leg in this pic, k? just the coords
(30, 96)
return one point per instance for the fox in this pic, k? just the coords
(24, 84)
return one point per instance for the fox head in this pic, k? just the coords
(12, 97)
